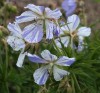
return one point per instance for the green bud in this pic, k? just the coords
(11, 8)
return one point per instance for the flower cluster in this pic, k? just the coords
(46, 24)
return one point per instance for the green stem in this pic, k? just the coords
(5, 70)
(58, 50)
(72, 45)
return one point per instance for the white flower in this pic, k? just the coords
(71, 30)
(45, 20)
(51, 62)
(15, 40)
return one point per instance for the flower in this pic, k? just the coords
(69, 6)
(70, 31)
(44, 19)
(51, 62)
(15, 40)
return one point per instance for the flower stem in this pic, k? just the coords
(58, 50)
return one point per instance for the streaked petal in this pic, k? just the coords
(84, 31)
(55, 14)
(15, 29)
(80, 44)
(35, 58)
(33, 33)
(35, 9)
(26, 17)
(64, 29)
(63, 40)
(15, 42)
(65, 61)
(69, 6)
(49, 29)
(57, 30)
(73, 22)
(59, 73)
(41, 75)
(21, 59)
(48, 56)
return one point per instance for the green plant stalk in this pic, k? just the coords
(58, 50)
(5, 70)
(76, 82)
(0, 59)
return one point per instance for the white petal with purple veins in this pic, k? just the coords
(33, 33)
(59, 73)
(35, 58)
(73, 22)
(63, 40)
(80, 43)
(64, 29)
(21, 59)
(48, 56)
(15, 29)
(65, 61)
(26, 17)
(41, 75)
(49, 29)
(55, 14)
(35, 9)
(15, 42)
(84, 31)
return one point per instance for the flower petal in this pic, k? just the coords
(73, 22)
(53, 14)
(59, 73)
(15, 29)
(49, 29)
(35, 58)
(41, 75)
(69, 6)
(26, 17)
(21, 59)
(36, 9)
(65, 61)
(84, 31)
(80, 44)
(33, 33)
(64, 29)
(48, 56)
(15, 42)
(63, 40)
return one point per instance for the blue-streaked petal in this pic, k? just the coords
(15, 29)
(49, 29)
(59, 73)
(65, 61)
(26, 17)
(84, 31)
(53, 14)
(21, 59)
(35, 58)
(16, 43)
(69, 6)
(57, 30)
(48, 56)
(33, 33)
(63, 40)
(64, 29)
(41, 75)
(80, 44)
(36, 9)
(73, 22)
